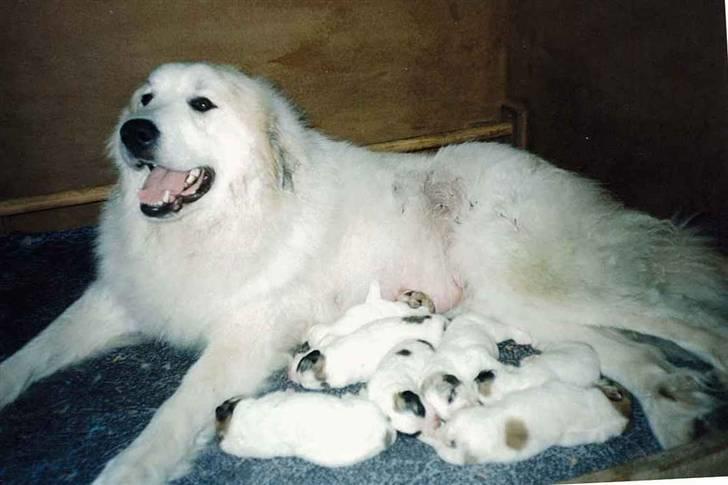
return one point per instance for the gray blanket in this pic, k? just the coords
(63, 429)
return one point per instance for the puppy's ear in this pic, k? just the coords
(280, 158)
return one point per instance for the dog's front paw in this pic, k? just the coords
(140, 464)
(121, 470)
(10, 384)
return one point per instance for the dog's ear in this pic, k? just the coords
(281, 159)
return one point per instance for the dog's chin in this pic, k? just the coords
(167, 194)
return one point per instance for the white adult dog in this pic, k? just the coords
(234, 226)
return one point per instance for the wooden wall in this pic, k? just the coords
(633, 93)
(368, 70)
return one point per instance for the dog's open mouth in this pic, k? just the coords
(166, 191)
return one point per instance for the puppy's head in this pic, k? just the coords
(447, 394)
(309, 370)
(197, 136)
(223, 416)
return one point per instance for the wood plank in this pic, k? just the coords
(366, 71)
(69, 198)
(707, 457)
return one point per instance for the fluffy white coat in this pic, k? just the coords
(324, 429)
(296, 226)
(526, 423)
(355, 357)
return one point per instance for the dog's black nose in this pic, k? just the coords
(139, 137)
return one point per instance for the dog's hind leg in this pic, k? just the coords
(228, 367)
(675, 399)
(93, 323)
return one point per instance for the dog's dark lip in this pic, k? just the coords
(168, 209)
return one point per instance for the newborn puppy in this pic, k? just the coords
(468, 347)
(571, 362)
(321, 428)
(394, 387)
(410, 302)
(527, 422)
(354, 358)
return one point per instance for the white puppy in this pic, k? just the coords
(468, 347)
(526, 423)
(354, 357)
(324, 429)
(394, 387)
(571, 362)
(374, 308)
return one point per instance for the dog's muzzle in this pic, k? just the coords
(165, 191)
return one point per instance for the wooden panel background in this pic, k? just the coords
(363, 70)
(634, 94)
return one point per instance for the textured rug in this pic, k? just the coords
(64, 428)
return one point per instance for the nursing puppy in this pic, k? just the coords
(526, 423)
(409, 302)
(574, 363)
(395, 387)
(324, 429)
(467, 352)
(234, 227)
(355, 357)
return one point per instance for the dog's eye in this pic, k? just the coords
(146, 98)
(201, 104)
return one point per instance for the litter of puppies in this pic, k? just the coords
(429, 376)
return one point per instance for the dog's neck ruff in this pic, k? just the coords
(166, 191)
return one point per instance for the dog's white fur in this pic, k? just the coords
(297, 225)
(321, 428)
(526, 423)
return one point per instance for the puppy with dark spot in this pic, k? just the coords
(525, 423)
(394, 386)
(409, 303)
(468, 346)
(571, 362)
(355, 357)
(324, 429)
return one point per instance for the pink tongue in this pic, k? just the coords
(158, 182)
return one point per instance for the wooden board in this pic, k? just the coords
(368, 71)
(706, 457)
(634, 95)
(71, 208)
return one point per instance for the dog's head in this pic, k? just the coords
(196, 132)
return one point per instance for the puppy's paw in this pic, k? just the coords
(417, 299)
